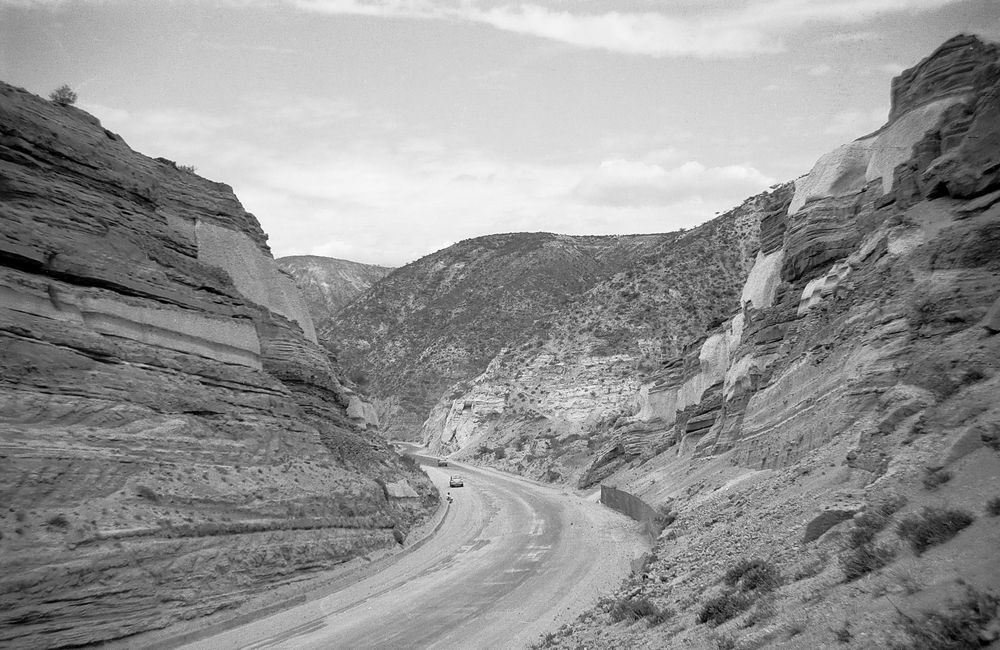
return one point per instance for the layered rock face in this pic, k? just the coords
(545, 407)
(863, 311)
(834, 431)
(174, 438)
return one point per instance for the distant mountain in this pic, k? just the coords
(550, 400)
(328, 284)
(442, 319)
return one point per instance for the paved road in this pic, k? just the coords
(513, 559)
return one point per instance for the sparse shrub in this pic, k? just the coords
(632, 610)
(661, 616)
(728, 605)
(843, 634)
(810, 569)
(933, 526)
(935, 478)
(63, 95)
(862, 560)
(499, 453)
(753, 575)
(187, 168)
(795, 629)
(764, 610)
(875, 518)
(960, 627)
(993, 507)
(58, 521)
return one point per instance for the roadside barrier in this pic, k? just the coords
(634, 507)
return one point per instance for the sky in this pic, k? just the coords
(380, 131)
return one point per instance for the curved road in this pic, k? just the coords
(512, 559)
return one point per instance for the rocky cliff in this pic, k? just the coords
(174, 439)
(329, 284)
(884, 247)
(839, 436)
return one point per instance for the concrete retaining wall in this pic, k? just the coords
(634, 507)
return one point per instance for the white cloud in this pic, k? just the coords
(892, 68)
(387, 201)
(704, 29)
(855, 122)
(637, 183)
(709, 30)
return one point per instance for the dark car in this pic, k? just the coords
(442, 462)
(456, 481)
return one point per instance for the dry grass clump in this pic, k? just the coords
(861, 554)
(963, 625)
(753, 575)
(58, 521)
(724, 607)
(935, 478)
(933, 526)
(629, 609)
(747, 580)
(864, 559)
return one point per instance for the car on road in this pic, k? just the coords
(456, 481)
(442, 462)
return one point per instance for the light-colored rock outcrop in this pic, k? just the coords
(829, 321)
(852, 446)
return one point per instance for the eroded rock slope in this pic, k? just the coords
(550, 401)
(174, 439)
(441, 320)
(840, 436)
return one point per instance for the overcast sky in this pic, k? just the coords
(382, 130)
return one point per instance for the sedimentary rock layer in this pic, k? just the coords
(174, 440)
(887, 252)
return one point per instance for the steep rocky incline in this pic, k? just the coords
(329, 284)
(856, 389)
(174, 439)
(546, 406)
(442, 319)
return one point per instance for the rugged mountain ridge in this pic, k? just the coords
(175, 440)
(440, 320)
(328, 284)
(841, 432)
(546, 406)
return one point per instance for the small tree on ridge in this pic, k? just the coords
(63, 95)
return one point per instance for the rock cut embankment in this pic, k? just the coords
(174, 439)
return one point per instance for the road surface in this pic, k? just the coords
(511, 560)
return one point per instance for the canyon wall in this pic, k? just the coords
(548, 403)
(175, 440)
(864, 310)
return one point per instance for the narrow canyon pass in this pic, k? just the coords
(174, 439)
(801, 396)
(808, 382)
